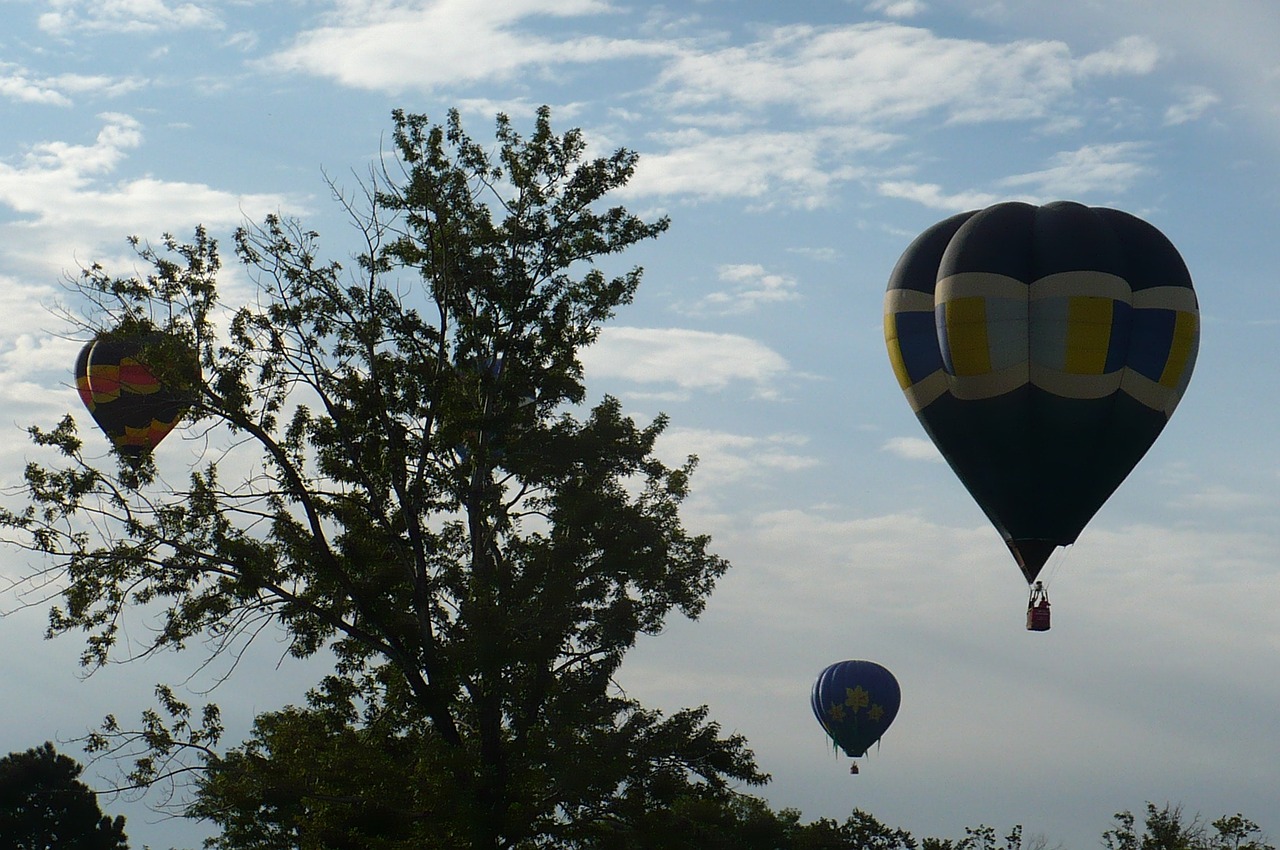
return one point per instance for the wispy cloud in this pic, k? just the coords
(1108, 167)
(770, 168)
(1130, 55)
(1194, 103)
(935, 197)
(73, 195)
(725, 457)
(17, 84)
(862, 82)
(885, 72)
(1219, 498)
(750, 287)
(50, 171)
(912, 448)
(426, 45)
(898, 8)
(821, 255)
(689, 359)
(22, 85)
(126, 16)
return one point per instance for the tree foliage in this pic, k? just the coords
(1166, 828)
(401, 471)
(45, 806)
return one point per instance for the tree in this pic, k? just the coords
(45, 806)
(977, 838)
(1237, 832)
(1167, 829)
(416, 487)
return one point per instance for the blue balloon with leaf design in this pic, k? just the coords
(856, 701)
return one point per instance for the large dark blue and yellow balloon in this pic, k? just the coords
(132, 406)
(855, 701)
(1043, 348)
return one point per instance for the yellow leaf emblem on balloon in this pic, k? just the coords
(856, 698)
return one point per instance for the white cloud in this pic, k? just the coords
(1195, 102)
(126, 16)
(17, 84)
(425, 45)
(860, 79)
(898, 8)
(751, 286)
(821, 255)
(1232, 42)
(692, 360)
(35, 369)
(864, 73)
(245, 40)
(1219, 498)
(1108, 167)
(878, 72)
(20, 84)
(70, 163)
(913, 448)
(935, 197)
(96, 84)
(792, 168)
(66, 192)
(724, 458)
(1131, 55)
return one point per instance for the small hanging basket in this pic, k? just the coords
(1038, 609)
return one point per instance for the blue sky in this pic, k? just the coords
(798, 148)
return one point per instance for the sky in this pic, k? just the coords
(798, 148)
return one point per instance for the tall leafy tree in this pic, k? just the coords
(45, 806)
(415, 484)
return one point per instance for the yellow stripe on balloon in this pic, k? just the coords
(1088, 334)
(1185, 332)
(104, 383)
(967, 336)
(146, 436)
(895, 350)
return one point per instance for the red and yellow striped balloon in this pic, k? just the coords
(134, 408)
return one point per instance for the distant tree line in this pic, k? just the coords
(45, 806)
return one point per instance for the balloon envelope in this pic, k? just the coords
(1043, 349)
(133, 407)
(855, 701)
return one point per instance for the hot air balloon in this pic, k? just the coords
(132, 406)
(855, 701)
(1043, 349)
